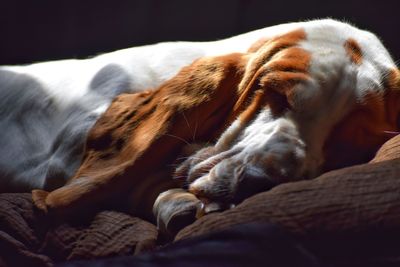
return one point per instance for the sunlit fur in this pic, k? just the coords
(48, 108)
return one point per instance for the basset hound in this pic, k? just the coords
(286, 104)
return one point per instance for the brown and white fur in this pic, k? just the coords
(283, 111)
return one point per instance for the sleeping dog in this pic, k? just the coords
(48, 108)
(276, 105)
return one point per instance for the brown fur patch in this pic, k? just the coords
(254, 106)
(354, 51)
(257, 67)
(282, 74)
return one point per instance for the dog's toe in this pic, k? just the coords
(175, 209)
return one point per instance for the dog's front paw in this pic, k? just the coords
(255, 163)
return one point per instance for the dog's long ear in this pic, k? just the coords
(282, 75)
(271, 73)
(138, 134)
(275, 68)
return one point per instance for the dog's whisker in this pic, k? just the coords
(187, 122)
(194, 131)
(182, 158)
(392, 132)
(179, 177)
(177, 137)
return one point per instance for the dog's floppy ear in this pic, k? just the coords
(271, 73)
(281, 75)
(277, 66)
(141, 133)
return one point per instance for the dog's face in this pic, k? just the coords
(322, 103)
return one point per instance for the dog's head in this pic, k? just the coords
(318, 104)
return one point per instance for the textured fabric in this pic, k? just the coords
(255, 245)
(29, 239)
(20, 232)
(265, 245)
(390, 150)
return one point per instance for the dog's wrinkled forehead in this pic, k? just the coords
(273, 70)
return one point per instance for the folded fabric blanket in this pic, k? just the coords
(245, 245)
(260, 245)
(28, 239)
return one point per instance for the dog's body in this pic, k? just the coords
(61, 100)
(276, 110)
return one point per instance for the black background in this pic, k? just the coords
(37, 30)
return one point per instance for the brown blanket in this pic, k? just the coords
(28, 239)
(359, 199)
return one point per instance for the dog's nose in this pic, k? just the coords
(251, 180)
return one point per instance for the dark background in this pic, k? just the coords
(37, 30)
